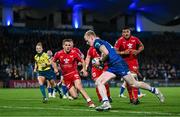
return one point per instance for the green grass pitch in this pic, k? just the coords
(28, 102)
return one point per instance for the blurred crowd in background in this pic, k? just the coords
(159, 60)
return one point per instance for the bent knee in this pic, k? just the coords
(135, 84)
(97, 82)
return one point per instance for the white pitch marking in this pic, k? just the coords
(114, 111)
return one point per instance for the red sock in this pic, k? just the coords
(107, 89)
(129, 88)
(135, 92)
(98, 94)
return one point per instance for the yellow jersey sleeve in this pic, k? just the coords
(42, 59)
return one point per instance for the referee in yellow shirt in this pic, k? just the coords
(43, 67)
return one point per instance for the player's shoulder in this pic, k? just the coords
(120, 38)
(134, 37)
(35, 56)
(40, 55)
(91, 48)
(44, 54)
(59, 52)
(75, 49)
(98, 40)
(73, 52)
(98, 43)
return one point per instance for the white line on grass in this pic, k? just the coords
(55, 98)
(25, 99)
(75, 109)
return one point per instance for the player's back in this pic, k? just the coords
(113, 57)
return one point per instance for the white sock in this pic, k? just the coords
(49, 94)
(88, 100)
(123, 86)
(103, 92)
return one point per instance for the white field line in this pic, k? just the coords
(88, 110)
(67, 99)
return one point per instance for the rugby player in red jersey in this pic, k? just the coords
(129, 47)
(96, 71)
(67, 62)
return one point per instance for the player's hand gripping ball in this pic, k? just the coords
(95, 61)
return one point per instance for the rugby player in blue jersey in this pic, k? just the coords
(116, 67)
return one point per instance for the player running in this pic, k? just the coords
(43, 67)
(116, 67)
(128, 47)
(67, 61)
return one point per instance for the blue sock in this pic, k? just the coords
(139, 92)
(42, 88)
(49, 90)
(122, 90)
(57, 89)
(64, 89)
(153, 90)
(52, 90)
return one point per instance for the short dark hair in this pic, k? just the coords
(126, 27)
(39, 44)
(67, 40)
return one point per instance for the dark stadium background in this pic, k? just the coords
(23, 23)
(26, 22)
